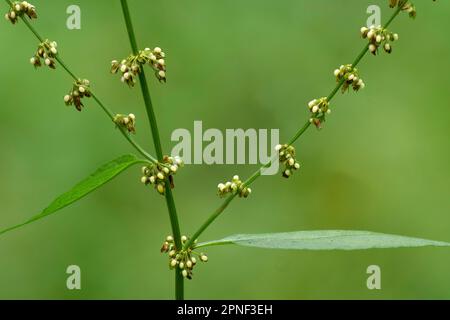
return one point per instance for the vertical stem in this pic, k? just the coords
(179, 284)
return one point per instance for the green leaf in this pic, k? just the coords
(104, 174)
(325, 240)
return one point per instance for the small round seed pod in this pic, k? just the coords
(364, 31)
(161, 189)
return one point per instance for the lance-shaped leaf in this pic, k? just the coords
(325, 240)
(104, 174)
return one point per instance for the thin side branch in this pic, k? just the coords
(298, 134)
(99, 102)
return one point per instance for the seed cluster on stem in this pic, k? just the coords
(132, 66)
(182, 259)
(19, 9)
(47, 51)
(157, 174)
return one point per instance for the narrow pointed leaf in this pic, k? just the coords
(104, 174)
(325, 240)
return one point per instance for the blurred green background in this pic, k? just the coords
(380, 163)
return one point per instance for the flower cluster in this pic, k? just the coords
(378, 36)
(349, 75)
(80, 89)
(127, 122)
(234, 186)
(184, 259)
(156, 173)
(287, 158)
(19, 9)
(47, 51)
(319, 108)
(132, 66)
(406, 7)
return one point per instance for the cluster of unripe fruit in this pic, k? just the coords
(287, 158)
(234, 186)
(46, 51)
(156, 174)
(19, 9)
(80, 89)
(127, 122)
(319, 108)
(350, 76)
(406, 7)
(184, 259)
(132, 66)
(379, 36)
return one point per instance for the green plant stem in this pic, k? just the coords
(179, 283)
(99, 102)
(297, 135)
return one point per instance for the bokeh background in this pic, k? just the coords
(380, 163)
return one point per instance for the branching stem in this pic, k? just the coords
(99, 102)
(298, 134)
